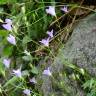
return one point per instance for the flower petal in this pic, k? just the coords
(47, 72)
(8, 21)
(51, 11)
(50, 33)
(65, 9)
(7, 27)
(45, 42)
(27, 92)
(11, 39)
(6, 62)
(17, 73)
(33, 80)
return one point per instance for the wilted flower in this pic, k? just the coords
(50, 33)
(17, 73)
(45, 42)
(11, 39)
(65, 9)
(33, 80)
(47, 72)
(8, 25)
(51, 10)
(27, 92)
(6, 62)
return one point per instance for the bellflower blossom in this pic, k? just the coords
(50, 33)
(9, 21)
(17, 73)
(51, 10)
(6, 62)
(65, 9)
(33, 80)
(27, 92)
(45, 42)
(11, 39)
(47, 72)
(8, 25)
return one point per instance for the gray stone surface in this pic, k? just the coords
(79, 50)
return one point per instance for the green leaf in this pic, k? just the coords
(3, 33)
(7, 1)
(11, 81)
(27, 58)
(2, 71)
(1, 10)
(26, 39)
(89, 83)
(34, 70)
(8, 50)
(25, 73)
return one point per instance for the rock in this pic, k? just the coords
(79, 50)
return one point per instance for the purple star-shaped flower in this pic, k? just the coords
(27, 92)
(45, 42)
(51, 10)
(65, 9)
(8, 25)
(33, 80)
(6, 62)
(11, 39)
(50, 33)
(17, 72)
(47, 72)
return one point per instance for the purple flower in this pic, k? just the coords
(8, 25)
(45, 42)
(47, 72)
(17, 73)
(33, 80)
(11, 39)
(50, 33)
(65, 9)
(9, 21)
(51, 10)
(27, 92)
(6, 62)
